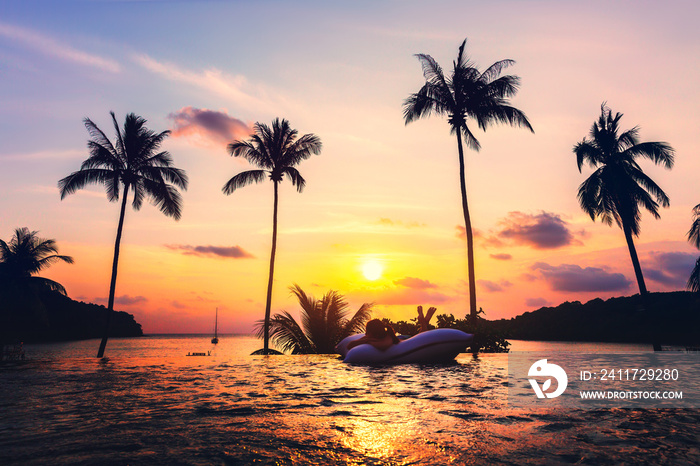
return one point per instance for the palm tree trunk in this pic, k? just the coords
(468, 229)
(643, 293)
(113, 282)
(635, 260)
(268, 305)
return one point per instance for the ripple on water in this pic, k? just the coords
(309, 410)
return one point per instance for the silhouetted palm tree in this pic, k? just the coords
(619, 187)
(21, 306)
(275, 151)
(694, 238)
(26, 255)
(466, 93)
(133, 163)
(324, 324)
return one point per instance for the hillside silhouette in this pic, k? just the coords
(51, 316)
(671, 318)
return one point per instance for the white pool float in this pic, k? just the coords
(438, 345)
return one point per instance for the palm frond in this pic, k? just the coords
(244, 179)
(164, 196)
(650, 186)
(432, 72)
(494, 71)
(299, 150)
(356, 324)
(503, 114)
(497, 91)
(286, 334)
(428, 100)
(587, 152)
(49, 260)
(80, 179)
(295, 177)
(694, 232)
(658, 152)
(469, 139)
(120, 146)
(41, 283)
(98, 137)
(628, 139)
(253, 151)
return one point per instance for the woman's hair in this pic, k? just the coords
(377, 329)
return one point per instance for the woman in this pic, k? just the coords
(377, 334)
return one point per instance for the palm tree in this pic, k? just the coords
(275, 151)
(133, 163)
(26, 255)
(619, 187)
(324, 324)
(466, 93)
(694, 238)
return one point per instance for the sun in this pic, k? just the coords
(372, 270)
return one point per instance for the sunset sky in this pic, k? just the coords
(380, 217)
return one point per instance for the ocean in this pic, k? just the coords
(149, 403)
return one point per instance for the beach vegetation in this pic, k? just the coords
(275, 151)
(133, 163)
(21, 258)
(324, 323)
(24, 256)
(487, 339)
(466, 94)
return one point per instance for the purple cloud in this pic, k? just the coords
(542, 231)
(229, 252)
(415, 283)
(537, 302)
(493, 287)
(501, 257)
(671, 268)
(570, 277)
(210, 125)
(123, 300)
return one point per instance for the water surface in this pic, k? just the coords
(150, 404)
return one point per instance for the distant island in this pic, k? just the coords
(670, 318)
(51, 316)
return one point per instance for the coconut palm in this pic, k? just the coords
(467, 93)
(618, 188)
(275, 151)
(25, 256)
(21, 259)
(133, 163)
(324, 324)
(694, 238)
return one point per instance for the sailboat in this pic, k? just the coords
(215, 340)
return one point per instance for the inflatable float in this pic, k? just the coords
(438, 345)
